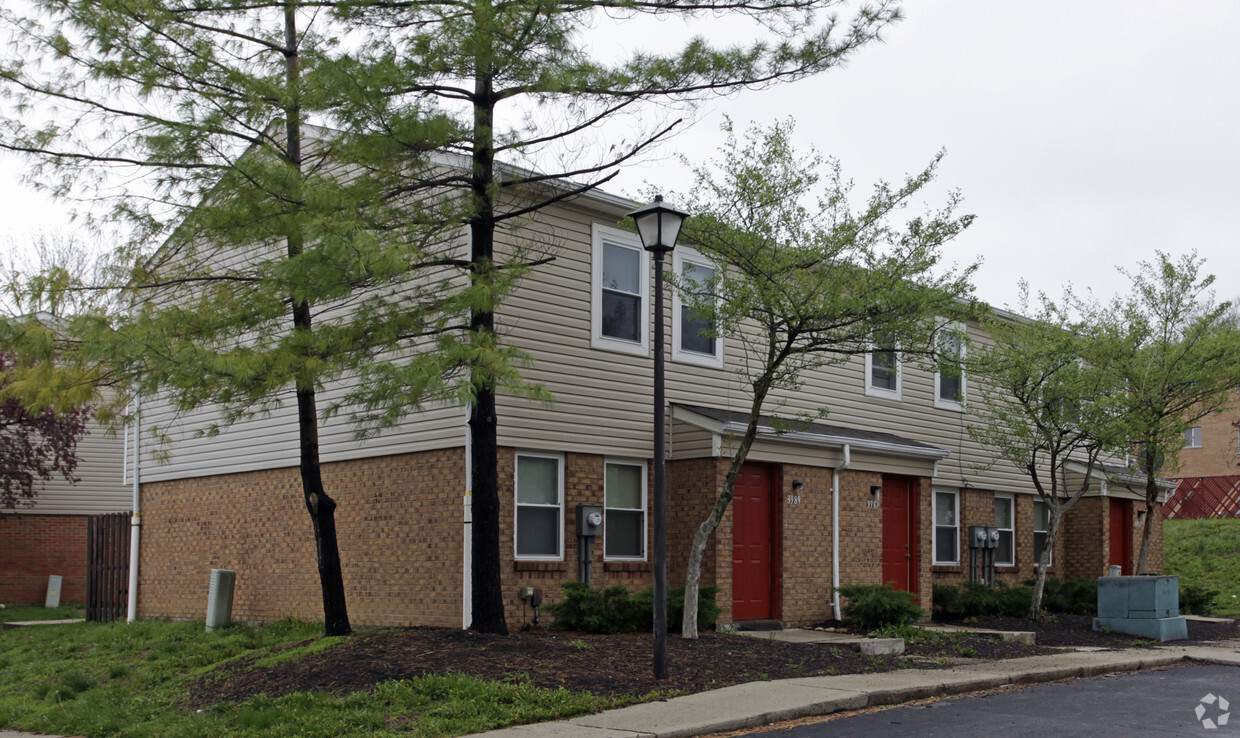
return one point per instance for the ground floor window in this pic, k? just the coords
(1005, 521)
(1041, 524)
(539, 506)
(624, 492)
(946, 526)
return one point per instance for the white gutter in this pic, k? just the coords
(823, 439)
(135, 520)
(835, 531)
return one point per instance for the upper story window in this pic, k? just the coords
(624, 494)
(946, 526)
(620, 292)
(1192, 437)
(539, 518)
(882, 369)
(692, 336)
(1005, 521)
(949, 380)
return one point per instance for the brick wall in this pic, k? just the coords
(1217, 455)
(977, 507)
(33, 547)
(399, 522)
(1086, 538)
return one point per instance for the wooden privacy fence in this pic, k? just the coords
(107, 567)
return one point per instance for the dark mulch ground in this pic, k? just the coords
(1078, 630)
(621, 664)
(604, 665)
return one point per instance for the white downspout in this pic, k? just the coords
(135, 520)
(835, 531)
(467, 535)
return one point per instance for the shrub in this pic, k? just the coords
(1195, 600)
(873, 606)
(614, 610)
(976, 600)
(1073, 596)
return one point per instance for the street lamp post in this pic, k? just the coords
(658, 225)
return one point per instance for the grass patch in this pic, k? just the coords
(21, 613)
(1206, 554)
(135, 679)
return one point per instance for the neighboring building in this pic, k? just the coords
(50, 536)
(910, 478)
(1208, 474)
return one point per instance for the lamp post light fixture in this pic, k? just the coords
(658, 226)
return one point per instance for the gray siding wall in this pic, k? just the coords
(101, 488)
(603, 397)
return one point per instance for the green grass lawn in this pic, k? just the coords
(1206, 553)
(135, 680)
(22, 613)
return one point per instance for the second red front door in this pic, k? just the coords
(899, 509)
(753, 548)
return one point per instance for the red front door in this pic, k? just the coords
(753, 550)
(1121, 535)
(899, 508)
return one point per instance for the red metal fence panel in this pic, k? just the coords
(1204, 497)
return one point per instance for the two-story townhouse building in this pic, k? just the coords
(891, 478)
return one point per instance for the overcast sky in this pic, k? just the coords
(1082, 134)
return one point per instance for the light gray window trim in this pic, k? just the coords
(1042, 531)
(559, 506)
(607, 510)
(1192, 437)
(883, 392)
(953, 330)
(681, 256)
(955, 516)
(1011, 529)
(605, 234)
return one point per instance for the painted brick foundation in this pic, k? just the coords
(32, 547)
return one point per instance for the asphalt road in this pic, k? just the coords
(1149, 703)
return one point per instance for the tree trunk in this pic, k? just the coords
(487, 595)
(1151, 499)
(322, 508)
(701, 536)
(1039, 584)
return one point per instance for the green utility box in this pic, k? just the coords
(1146, 606)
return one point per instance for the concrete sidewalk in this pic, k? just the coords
(760, 703)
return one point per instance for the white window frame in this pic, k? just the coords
(1044, 531)
(559, 458)
(957, 330)
(680, 257)
(604, 234)
(1012, 509)
(645, 515)
(934, 520)
(1192, 437)
(883, 392)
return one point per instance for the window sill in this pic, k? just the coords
(946, 569)
(540, 566)
(641, 566)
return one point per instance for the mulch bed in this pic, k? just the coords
(606, 665)
(610, 665)
(1078, 630)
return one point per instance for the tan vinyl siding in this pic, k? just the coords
(101, 488)
(603, 398)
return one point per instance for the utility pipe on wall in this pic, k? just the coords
(835, 531)
(135, 520)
